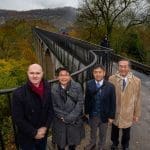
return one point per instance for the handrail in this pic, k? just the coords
(90, 65)
(9, 91)
(115, 57)
(93, 54)
(5, 91)
(86, 44)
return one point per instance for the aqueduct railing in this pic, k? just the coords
(79, 56)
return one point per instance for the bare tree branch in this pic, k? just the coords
(108, 12)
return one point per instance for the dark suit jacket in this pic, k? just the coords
(108, 100)
(30, 112)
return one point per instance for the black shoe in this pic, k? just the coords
(72, 147)
(125, 148)
(114, 147)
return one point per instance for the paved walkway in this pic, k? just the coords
(140, 133)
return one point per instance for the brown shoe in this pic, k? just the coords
(90, 147)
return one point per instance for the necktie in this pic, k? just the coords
(123, 84)
(98, 85)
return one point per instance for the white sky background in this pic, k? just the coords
(36, 4)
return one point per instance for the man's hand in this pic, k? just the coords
(42, 130)
(135, 119)
(110, 120)
(41, 133)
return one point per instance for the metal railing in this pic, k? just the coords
(8, 93)
(79, 55)
(68, 49)
(80, 73)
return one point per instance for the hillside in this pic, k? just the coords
(59, 16)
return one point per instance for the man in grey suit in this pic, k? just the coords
(68, 104)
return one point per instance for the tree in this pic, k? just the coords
(134, 48)
(12, 74)
(106, 13)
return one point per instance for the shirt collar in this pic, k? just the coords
(125, 78)
(100, 82)
(63, 87)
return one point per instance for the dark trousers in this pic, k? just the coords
(37, 145)
(95, 123)
(71, 147)
(125, 136)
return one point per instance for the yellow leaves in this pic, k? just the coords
(16, 50)
(73, 33)
(5, 66)
(12, 72)
(29, 55)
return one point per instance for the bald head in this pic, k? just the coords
(35, 66)
(35, 74)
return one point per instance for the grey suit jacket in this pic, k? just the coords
(70, 109)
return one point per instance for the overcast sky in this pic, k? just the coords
(35, 4)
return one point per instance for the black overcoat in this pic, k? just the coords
(30, 112)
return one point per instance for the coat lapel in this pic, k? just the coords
(93, 87)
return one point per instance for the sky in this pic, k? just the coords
(36, 4)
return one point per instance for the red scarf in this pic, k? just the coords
(38, 90)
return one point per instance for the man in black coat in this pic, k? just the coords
(32, 110)
(100, 103)
(105, 42)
